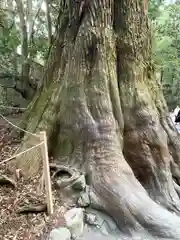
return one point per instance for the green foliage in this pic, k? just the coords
(10, 35)
(9, 40)
(2, 19)
(167, 50)
(40, 47)
(154, 8)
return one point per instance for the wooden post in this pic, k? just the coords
(47, 178)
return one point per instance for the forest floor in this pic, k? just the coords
(13, 225)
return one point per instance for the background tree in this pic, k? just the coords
(106, 116)
(166, 22)
(24, 46)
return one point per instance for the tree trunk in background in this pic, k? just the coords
(25, 68)
(24, 85)
(49, 24)
(29, 19)
(105, 115)
(11, 8)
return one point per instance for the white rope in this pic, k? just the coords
(33, 134)
(19, 154)
(8, 107)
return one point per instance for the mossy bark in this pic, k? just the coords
(105, 116)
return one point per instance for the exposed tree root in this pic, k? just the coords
(4, 180)
(61, 169)
(65, 175)
(33, 209)
(146, 148)
(177, 188)
(116, 190)
(134, 212)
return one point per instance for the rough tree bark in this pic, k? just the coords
(106, 116)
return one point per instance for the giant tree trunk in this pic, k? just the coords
(105, 115)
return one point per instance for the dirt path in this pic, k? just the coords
(13, 225)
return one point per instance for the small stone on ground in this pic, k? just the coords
(60, 234)
(75, 221)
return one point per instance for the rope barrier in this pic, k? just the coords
(18, 108)
(33, 134)
(44, 151)
(19, 154)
